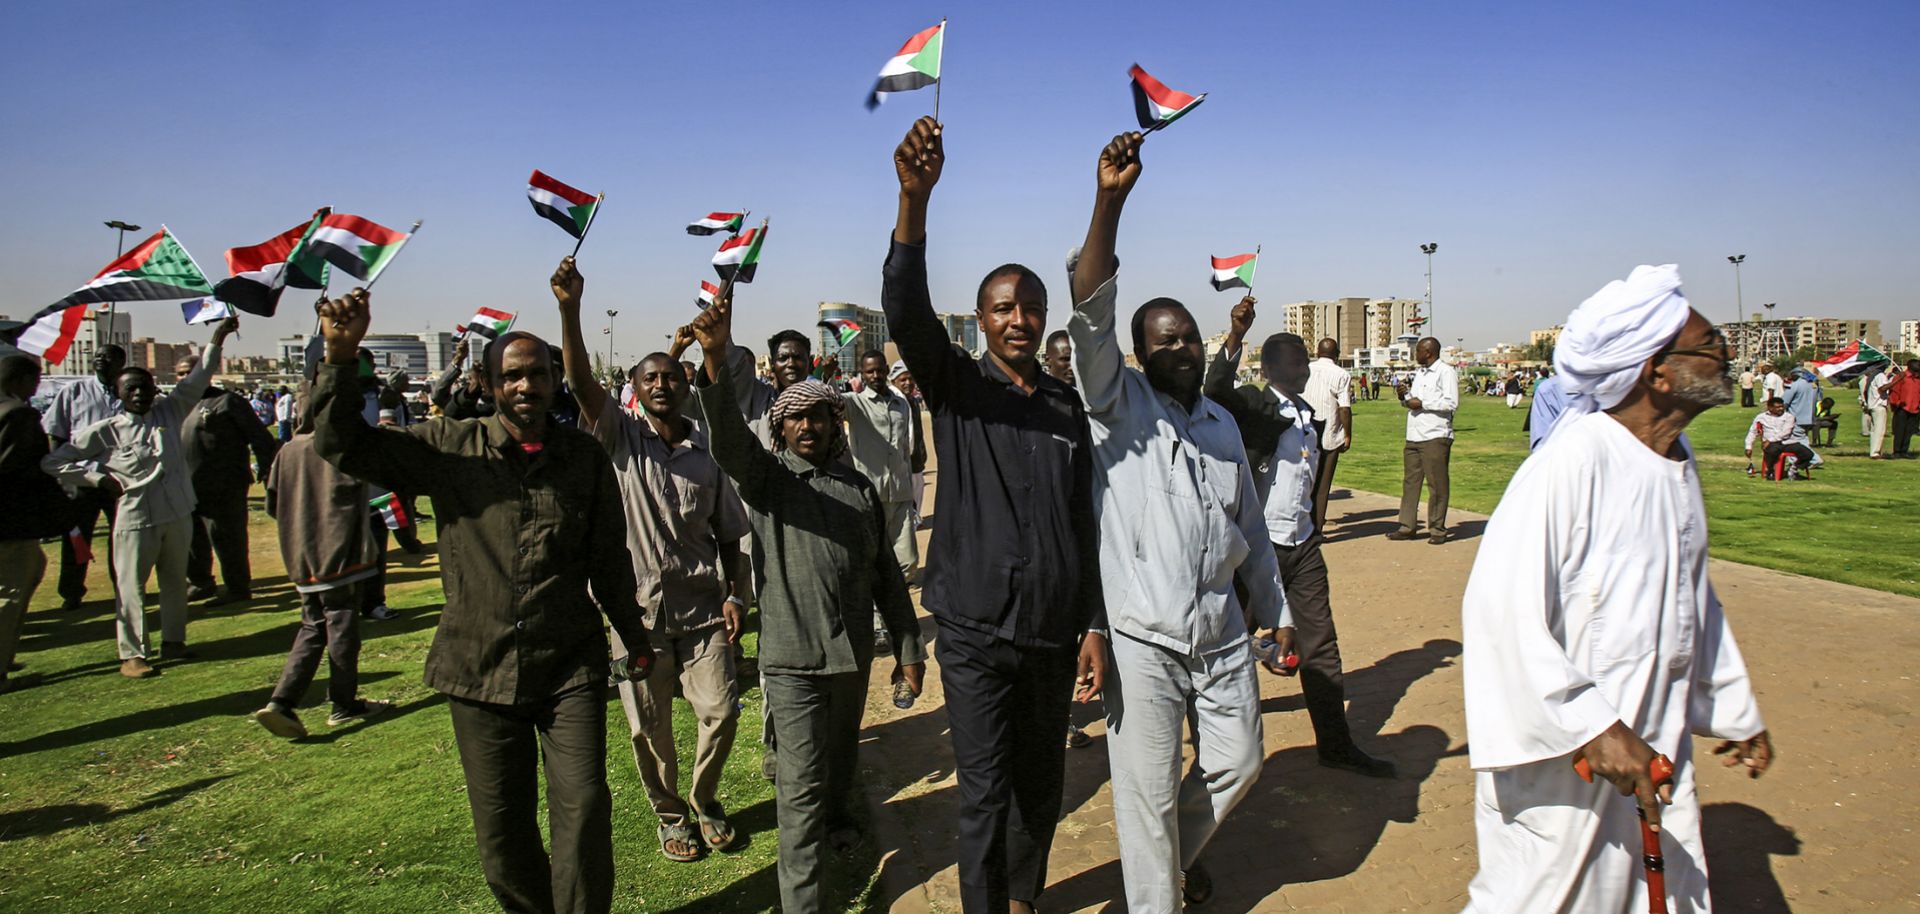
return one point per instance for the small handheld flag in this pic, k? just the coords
(844, 331)
(1155, 104)
(740, 255)
(261, 272)
(915, 66)
(717, 222)
(359, 246)
(1234, 272)
(392, 512)
(568, 207)
(489, 324)
(205, 310)
(708, 293)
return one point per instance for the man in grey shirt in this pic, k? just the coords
(73, 408)
(1180, 522)
(138, 455)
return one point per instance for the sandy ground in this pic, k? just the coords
(1829, 829)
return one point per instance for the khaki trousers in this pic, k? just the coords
(702, 663)
(1425, 461)
(138, 554)
(22, 565)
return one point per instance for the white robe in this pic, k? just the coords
(1589, 603)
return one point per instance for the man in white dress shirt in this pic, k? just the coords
(1329, 391)
(1430, 399)
(1180, 521)
(73, 408)
(1591, 630)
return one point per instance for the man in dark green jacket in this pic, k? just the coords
(829, 565)
(529, 514)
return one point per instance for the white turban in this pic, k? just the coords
(1612, 334)
(899, 368)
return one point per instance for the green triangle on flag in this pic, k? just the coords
(928, 60)
(582, 214)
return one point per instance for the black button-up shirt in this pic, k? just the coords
(521, 536)
(1015, 550)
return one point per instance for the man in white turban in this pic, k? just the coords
(1591, 631)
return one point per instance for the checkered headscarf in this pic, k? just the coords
(799, 398)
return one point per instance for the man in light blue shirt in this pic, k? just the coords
(1548, 402)
(1276, 425)
(1180, 522)
(1801, 396)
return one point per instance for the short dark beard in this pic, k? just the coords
(1705, 391)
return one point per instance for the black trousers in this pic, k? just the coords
(1774, 455)
(89, 506)
(503, 749)
(1006, 709)
(220, 529)
(1323, 486)
(1303, 572)
(329, 624)
(1746, 396)
(819, 721)
(1904, 425)
(374, 594)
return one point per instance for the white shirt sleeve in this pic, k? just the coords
(1098, 364)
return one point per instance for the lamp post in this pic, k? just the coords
(611, 313)
(1428, 250)
(119, 248)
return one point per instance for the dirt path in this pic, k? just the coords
(1830, 829)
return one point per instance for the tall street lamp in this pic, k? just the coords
(1428, 250)
(611, 313)
(1739, 299)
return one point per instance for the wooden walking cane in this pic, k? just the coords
(1661, 770)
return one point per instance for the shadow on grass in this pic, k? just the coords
(232, 704)
(399, 711)
(47, 820)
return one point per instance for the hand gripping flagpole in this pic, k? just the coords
(589, 226)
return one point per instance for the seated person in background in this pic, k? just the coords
(1825, 418)
(1779, 438)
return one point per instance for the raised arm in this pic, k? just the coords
(1222, 373)
(191, 388)
(441, 391)
(568, 285)
(1099, 364)
(393, 459)
(732, 443)
(921, 336)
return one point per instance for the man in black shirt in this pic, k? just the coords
(219, 433)
(1013, 569)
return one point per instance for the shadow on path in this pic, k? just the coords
(47, 820)
(1741, 842)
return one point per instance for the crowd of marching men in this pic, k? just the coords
(1147, 537)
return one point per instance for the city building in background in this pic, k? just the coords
(1356, 323)
(422, 355)
(963, 330)
(95, 332)
(159, 357)
(1761, 338)
(1910, 337)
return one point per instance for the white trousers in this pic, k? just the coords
(1879, 429)
(1164, 819)
(138, 554)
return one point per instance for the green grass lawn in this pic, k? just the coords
(1855, 522)
(122, 795)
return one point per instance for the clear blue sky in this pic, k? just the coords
(1546, 147)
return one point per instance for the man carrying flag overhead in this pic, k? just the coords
(1592, 633)
(1012, 573)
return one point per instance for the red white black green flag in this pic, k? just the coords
(717, 222)
(1155, 104)
(359, 246)
(915, 66)
(1234, 272)
(708, 293)
(159, 269)
(261, 271)
(568, 207)
(740, 255)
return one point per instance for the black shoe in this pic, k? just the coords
(1401, 534)
(67, 606)
(176, 650)
(1439, 538)
(1360, 763)
(199, 592)
(1196, 884)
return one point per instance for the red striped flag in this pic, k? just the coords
(568, 207)
(1155, 104)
